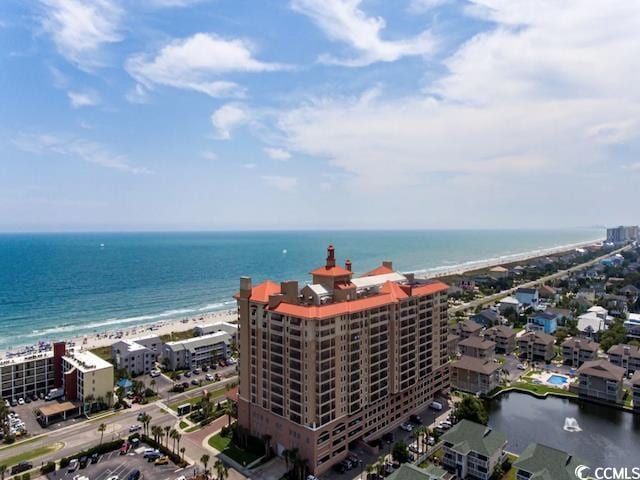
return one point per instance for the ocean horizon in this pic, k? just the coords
(62, 285)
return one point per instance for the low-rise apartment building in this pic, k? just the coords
(341, 360)
(136, 356)
(478, 347)
(475, 375)
(576, 351)
(600, 380)
(504, 337)
(538, 461)
(468, 328)
(625, 356)
(536, 346)
(197, 351)
(87, 378)
(208, 328)
(472, 451)
(635, 390)
(452, 344)
(27, 375)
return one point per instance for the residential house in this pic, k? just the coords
(528, 297)
(591, 324)
(504, 337)
(472, 450)
(600, 380)
(547, 292)
(631, 292)
(454, 292)
(539, 462)
(467, 328)
(467, 284)
(625, 356)
(137, 355)
(476, 346)
(487, 318)
(543, 322)
(499, 272)
(632, 325)
(617, 305)
(563, 314)
(509, 304)
(475, 375)
(588, 294)
(197, 351)
(536, 346)
(635, 386)
(576, 351)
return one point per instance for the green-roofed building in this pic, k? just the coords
(472, 450)
(539, 462)
(408, 471)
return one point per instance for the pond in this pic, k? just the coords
(600, 435)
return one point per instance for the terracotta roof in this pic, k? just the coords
(260, 293)
(335, 271)
(341, 308)
(381, 270)
(343, 285)
(395, 290)
(602, 369)
(233, 394)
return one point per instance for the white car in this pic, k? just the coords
(431, 441)
(407, 427)
(134, 428)
(113, 477)
(445, 425)
(208, 377)
(181, 477)
(521, 367)
(21, 401)
(154, 373)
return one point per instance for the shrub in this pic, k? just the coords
(47, 468)
(26, 476)
(9, 439)
(174, 457)
(64, 462)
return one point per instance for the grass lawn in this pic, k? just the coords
(18, 443)
(511, 473)
(224, 445)
(183, 424)
(542, 389)
(31, 454)
(215, 394)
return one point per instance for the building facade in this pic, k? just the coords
(475, 375)
(87, 378)
(478, 347)
(625, 356)
(473, 451)
(635, 391)
(576, 351)
(28, 375)
(536, 346)
(600, 380)
(197, 351)
(622, 234)
(340, 360)
(136, 356)
(504, 337)
(208, 328)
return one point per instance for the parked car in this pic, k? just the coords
(205, 368)
(21, 401)
(113, 477)
(21, 467)
(134, 428)
(407, 427)
(431, 441)
(521, 367)
(417, 419)
(436, 405)
(135, 475)
(339, 468)
(95, 457)
(154, 373)
(162, 461)
(195, 381)
(125, 448)
(185, 384)
(187, 374)
(73, 465)
(208, 377)
(84, 461)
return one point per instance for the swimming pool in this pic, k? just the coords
(557, 380)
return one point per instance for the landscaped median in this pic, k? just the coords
(224, 443)
(214, 394)
(535, 389)
(32, 454)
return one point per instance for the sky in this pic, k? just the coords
(302, 114)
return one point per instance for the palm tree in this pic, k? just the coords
(145, 419)
(222, 472)
(157, 433)
(266, 438)
(204, 459)
(101, 428)
(229, 411)
(178, 437)
(182, 450)
(172, 435)
(3, 470)
(152, 384)
(167, 429)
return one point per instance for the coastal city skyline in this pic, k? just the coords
(182, 115)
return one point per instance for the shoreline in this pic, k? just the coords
(106, 337)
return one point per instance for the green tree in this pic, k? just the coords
(222, 472)
(613, 336)
(400, 452)
(471, 408)
(101, 428)
(3, 471)
(204, 459)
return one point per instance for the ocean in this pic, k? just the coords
(56, 286)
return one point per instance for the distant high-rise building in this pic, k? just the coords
(340, 360)
(622, 234)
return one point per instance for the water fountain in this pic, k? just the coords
(571, 425)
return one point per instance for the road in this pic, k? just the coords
(82, 433)
(554, 276)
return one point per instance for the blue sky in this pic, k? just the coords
(233, 114)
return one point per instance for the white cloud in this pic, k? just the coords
(227, 118)
(284, 184)
(209, 155)
(249, 166)
(344, 21)
(421, 6)
(86, 150)
(536, 99)
(197, 63)
(277, 153)
(79, 28)
(137, 94)
(86, 98)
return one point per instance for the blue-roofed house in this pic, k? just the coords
(546, 322)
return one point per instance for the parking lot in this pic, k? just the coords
(114, 466)
(430, 418)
